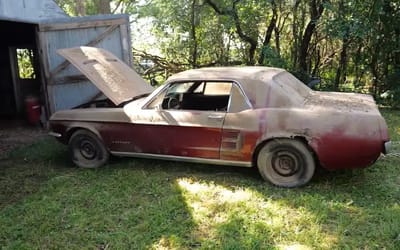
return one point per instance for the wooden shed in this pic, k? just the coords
(32, 31)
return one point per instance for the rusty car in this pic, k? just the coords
(238, 116)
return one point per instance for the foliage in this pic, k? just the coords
(25, 58)
(45, 203)
(87, 7)
(351, 45)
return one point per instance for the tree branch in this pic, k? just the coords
(234, 15)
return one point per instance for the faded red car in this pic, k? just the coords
(237, 116)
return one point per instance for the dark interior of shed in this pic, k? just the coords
(19, 74)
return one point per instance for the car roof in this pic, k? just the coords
(249, 73)
(259, 83)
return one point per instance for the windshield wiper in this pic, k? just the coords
(133, 99)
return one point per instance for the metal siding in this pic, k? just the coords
(78, 37)
(63, 95)
(66, 96)
(29, 11)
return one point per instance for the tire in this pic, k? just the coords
(286, 163)
(87, 150)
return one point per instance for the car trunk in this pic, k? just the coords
(347, 102)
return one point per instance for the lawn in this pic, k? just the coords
(46, 203)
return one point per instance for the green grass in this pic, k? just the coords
(46, 203)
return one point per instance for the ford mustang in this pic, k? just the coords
(238, 116)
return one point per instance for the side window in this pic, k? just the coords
(238, 100)
(197, 95)
(218, 88)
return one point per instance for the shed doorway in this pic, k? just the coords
(19, 68)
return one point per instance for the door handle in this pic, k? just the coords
(216, 117)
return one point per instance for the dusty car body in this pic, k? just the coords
(239, 116)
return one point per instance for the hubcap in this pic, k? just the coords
(87, 149)
(285, 163)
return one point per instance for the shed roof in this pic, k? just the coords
(29, 11)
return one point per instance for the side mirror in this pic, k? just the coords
(314, 81)
(153, 82)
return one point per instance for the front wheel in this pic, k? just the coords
(87, 150)
(286, 163)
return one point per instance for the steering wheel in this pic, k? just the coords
(173, 103)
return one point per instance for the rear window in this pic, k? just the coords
(288, 81)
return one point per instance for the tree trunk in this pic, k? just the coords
(80, 8)
(375, 70)
(357, 63)
(193, 34)
(104, 6)
(277, 33)
(295, 48)
(341, 70)
(316, 10)
(232, 12)
(268, 33)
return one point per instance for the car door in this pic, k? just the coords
(169, 125)
(240, 130)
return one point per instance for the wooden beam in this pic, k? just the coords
(80, 25)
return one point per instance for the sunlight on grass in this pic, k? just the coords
(295, 247)
(166, 243)
(219, 212)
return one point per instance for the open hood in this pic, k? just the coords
(112, 76)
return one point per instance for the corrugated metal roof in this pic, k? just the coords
(30, 11)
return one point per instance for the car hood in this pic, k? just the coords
(113, 77)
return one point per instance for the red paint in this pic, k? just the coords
(248, 142)
(338, 151)
(162, 139)
(335, 150)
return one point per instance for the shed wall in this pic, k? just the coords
(66, 86)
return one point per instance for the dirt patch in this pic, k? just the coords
(14, 134)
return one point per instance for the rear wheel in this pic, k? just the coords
(87, 150)
(286, 163)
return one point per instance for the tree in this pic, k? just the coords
(86, 7)
(352, 45)
(316, 10)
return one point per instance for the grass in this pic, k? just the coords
(46, 203)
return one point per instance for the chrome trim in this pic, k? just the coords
(57, 135)
(154, 95)
(237, 139)
(184, 159)
(387, 147)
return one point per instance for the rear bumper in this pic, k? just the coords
(387, 147)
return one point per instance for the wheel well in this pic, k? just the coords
(71, 131)
(298, 138)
